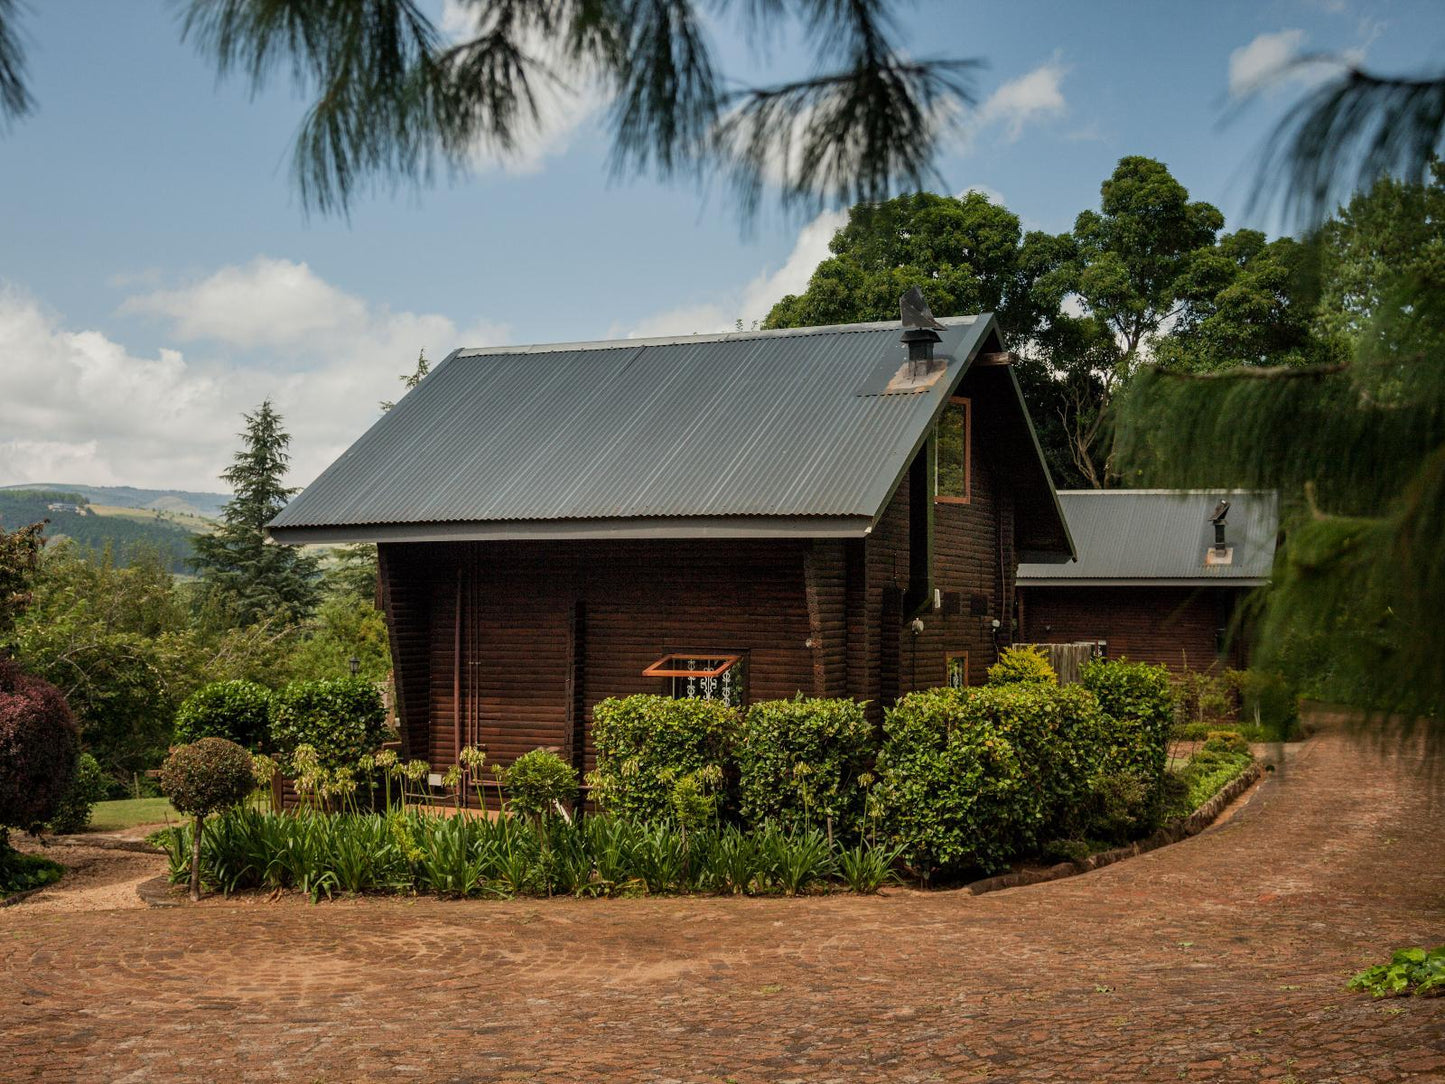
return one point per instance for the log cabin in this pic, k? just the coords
(830, 511)
(1161, 575)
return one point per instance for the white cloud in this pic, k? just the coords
(564, 107)
(1035, 96)
(752, 301)
(1260, 62)
(79, 406)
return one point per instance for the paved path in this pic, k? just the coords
(1219, 959)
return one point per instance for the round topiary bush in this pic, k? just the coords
(87, 788)
(201, 778)
(1024, 664)
(38, 745)
(238, 711)
(538, 780)
(343, 720)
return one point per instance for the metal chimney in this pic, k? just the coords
(920, 329)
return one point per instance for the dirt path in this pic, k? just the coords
(97, 878)
(1219, 959)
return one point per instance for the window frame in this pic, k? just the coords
(949, 498)
(948, 657)
(733, 661)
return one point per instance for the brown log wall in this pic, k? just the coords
(1172, 626)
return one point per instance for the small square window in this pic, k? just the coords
(955, 669)
(704, 675)
(952, 453)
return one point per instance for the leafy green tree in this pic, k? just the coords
(19, 556)
(1357, 451)
(254, 579)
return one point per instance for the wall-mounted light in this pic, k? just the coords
(916, 626)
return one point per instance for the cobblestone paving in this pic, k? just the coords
(1222, 958)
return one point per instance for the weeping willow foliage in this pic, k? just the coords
(1357, 453)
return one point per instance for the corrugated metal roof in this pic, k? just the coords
(767, 424)
(1161, 536)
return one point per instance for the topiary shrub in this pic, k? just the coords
(1024, 664)
(238, 711)
(342, 720)
(649, 745)
(88, 787)
(805, 762)
(201, 778)
(38, 746)
(1138, 701)
(538, 781)
(949, 786)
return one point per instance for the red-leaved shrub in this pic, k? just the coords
(38, 745)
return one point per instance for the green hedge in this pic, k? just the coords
(805, 762)
(970, 778)
(342, 720)
(655, 753)
(238, 711)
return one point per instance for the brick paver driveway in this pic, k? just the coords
(1219, 959)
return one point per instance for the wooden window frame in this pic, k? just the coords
(659, 670)
(967, 498)
(948, 657)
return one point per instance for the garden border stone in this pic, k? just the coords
(1180, 830)
(138, 845)
(20, 897)
(157, 892)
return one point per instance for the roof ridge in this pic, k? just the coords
(713, 337)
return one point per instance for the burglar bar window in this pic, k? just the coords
(703, 676)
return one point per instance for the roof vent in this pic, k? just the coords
(1220, 553)
(920, 330)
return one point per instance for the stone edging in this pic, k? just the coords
(1191, 825)
(19, 897)
(157, 893)
(105, 844)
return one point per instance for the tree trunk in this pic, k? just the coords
(196, 859)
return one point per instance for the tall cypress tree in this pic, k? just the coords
(251, 578)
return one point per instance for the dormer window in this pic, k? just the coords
(953, 453)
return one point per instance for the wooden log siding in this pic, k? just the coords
(1172, 626)
(405, 589)
(549, 629)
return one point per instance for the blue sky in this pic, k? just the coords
(157, 274)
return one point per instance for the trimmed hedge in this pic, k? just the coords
(343, 720)
(654, 753)
(238, 711)
(38, 747)
(970, 778)
(805, 762)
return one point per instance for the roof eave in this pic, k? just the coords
(660, 527)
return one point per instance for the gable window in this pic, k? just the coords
(704, 675)
(953, 453)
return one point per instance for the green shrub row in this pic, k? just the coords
(956, 779)
(599, 855)
(342, 719)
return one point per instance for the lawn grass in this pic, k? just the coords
(129, 812)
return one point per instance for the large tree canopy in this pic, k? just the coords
(1143, 275)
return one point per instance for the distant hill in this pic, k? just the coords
(126, 529)
(205, 505)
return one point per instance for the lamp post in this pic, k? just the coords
(355, 665)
